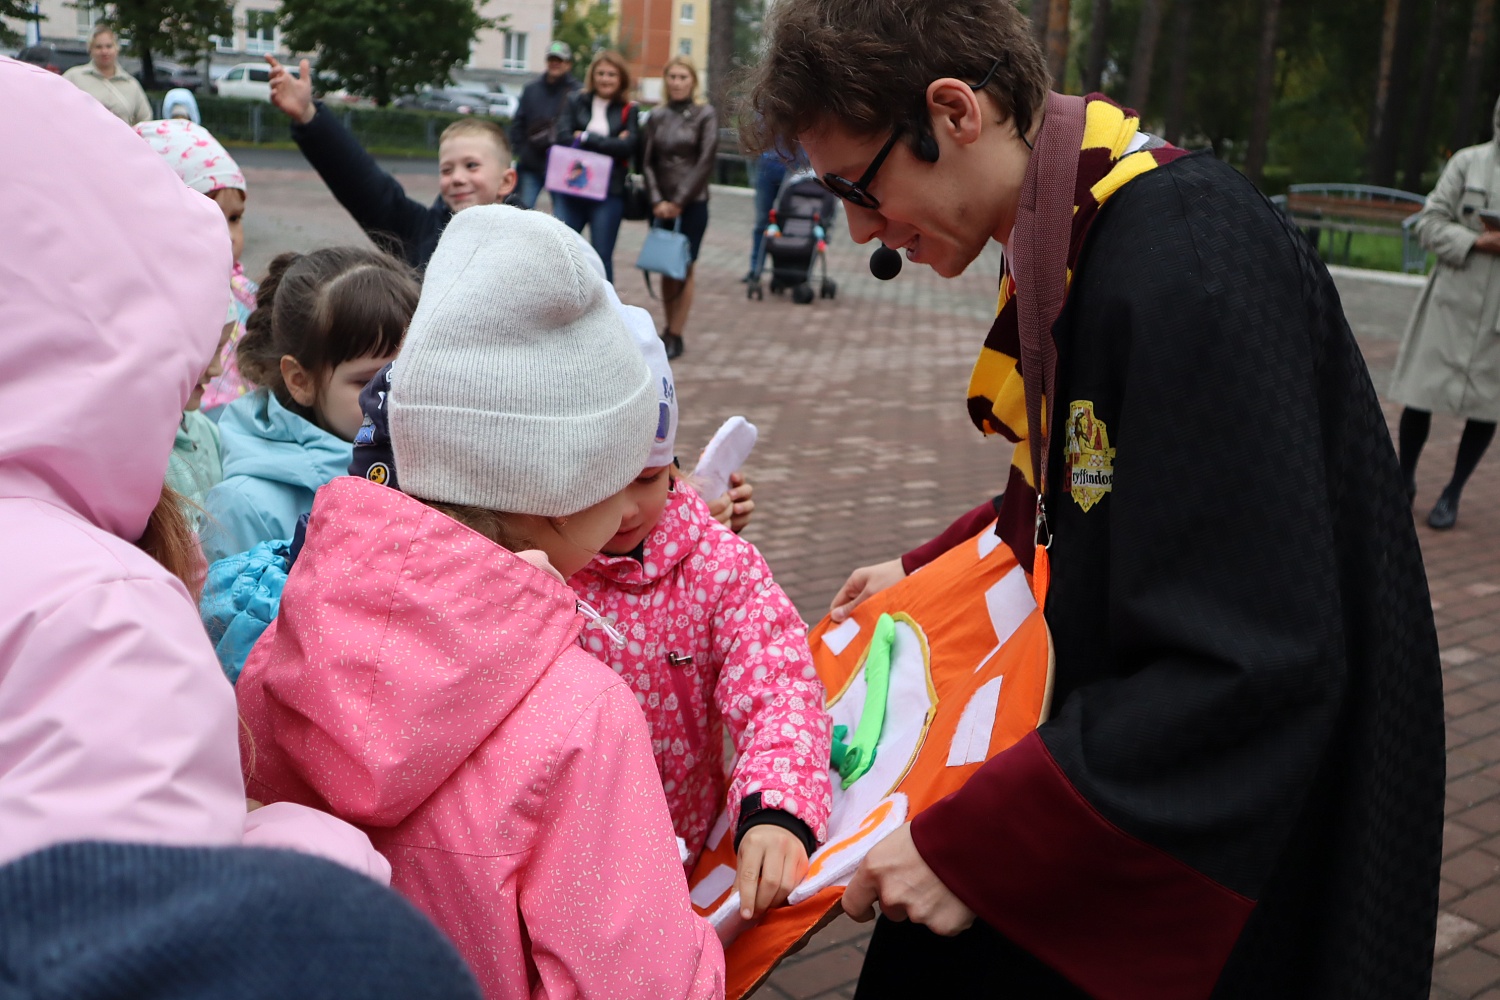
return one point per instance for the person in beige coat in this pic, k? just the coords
(103, 79)
(1450, 356)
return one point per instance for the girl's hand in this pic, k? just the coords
(772, 861)
(661, 210)
(734, 508)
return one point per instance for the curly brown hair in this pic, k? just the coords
(866, 65)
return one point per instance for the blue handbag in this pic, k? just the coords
(666, 252)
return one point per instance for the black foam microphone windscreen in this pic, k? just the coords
(885, 263)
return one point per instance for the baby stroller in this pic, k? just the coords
(797, 240)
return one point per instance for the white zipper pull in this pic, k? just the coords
(596, 620)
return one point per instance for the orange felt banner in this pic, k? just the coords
(971, 674)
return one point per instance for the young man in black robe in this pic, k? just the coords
(1239, 792)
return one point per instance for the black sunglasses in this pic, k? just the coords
(858, 192)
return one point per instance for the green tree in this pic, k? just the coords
(19, 11)
(148, 28)
(382, 48)
(586, 27)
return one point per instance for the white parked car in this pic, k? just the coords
(251, 81)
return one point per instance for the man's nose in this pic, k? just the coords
(864, 224)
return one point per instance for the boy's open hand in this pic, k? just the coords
(293, 95)
(772, 861)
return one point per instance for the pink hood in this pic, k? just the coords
(115, 721)
(114, 294)
(396, 604)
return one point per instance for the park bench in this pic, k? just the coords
(1356, 208)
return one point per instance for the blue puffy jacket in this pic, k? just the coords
(274, 461)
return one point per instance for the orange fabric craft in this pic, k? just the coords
(971, 674)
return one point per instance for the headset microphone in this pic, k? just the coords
(885, 263)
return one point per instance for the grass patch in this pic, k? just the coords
(1370, 250)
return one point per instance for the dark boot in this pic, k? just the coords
(1445, 512)
(673, 343)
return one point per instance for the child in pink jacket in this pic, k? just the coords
(115, 721)
(425, 683)
(714, 645)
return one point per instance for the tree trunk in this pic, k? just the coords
(148, 66)
(1057, 43)
(1417, 153)
(1093, 66)
(1479, 43)
(1265, 77)
(1144, 57)
(721, 57)
(1182, 35)
(1041, 11)
(1390, 86)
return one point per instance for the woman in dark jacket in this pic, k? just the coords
(682, 138)
(600, 119)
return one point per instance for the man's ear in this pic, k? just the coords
(299, 381)
(957, 115)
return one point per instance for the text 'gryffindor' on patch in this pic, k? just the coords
(1091, 461)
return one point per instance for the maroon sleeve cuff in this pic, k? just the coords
(965, 528)
(1118, 917)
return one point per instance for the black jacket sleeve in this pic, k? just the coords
(377, 200)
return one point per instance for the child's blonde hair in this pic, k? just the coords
(480, 127)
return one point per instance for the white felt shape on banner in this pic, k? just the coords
(1010, 603)
(971, 740)
(717, 831)
(838, 639)
(989, 541)
(907, 703)
(835, 862)
(712, 886)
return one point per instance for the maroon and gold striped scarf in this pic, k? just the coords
(997, 393)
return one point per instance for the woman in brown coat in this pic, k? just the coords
(682, 137)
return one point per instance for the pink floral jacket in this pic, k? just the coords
(712, 642)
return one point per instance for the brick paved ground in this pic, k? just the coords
(866, 450)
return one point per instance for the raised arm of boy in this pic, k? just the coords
(375, 199)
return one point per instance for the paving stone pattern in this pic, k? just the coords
(865, 451)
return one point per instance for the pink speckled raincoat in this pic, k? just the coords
(115, 720)
(425, 684)
(703, 592)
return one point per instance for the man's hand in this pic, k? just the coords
(1488, 242)
(291, 94)
(863, 583)
(772, 861)
(895, 874)
(734, 508)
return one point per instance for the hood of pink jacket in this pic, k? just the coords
(114, 278)
(403, 640)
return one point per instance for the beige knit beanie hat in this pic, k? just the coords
(518, 387)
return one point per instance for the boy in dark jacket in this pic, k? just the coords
(474, 167)
(531, 129)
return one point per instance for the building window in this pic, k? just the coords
(684, 46)
(260, 32)
(687, 13)
(515, 50)
(223, 43)
(88, 16)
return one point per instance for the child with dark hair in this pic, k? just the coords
(326, 322)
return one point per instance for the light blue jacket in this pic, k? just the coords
(274, 461)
